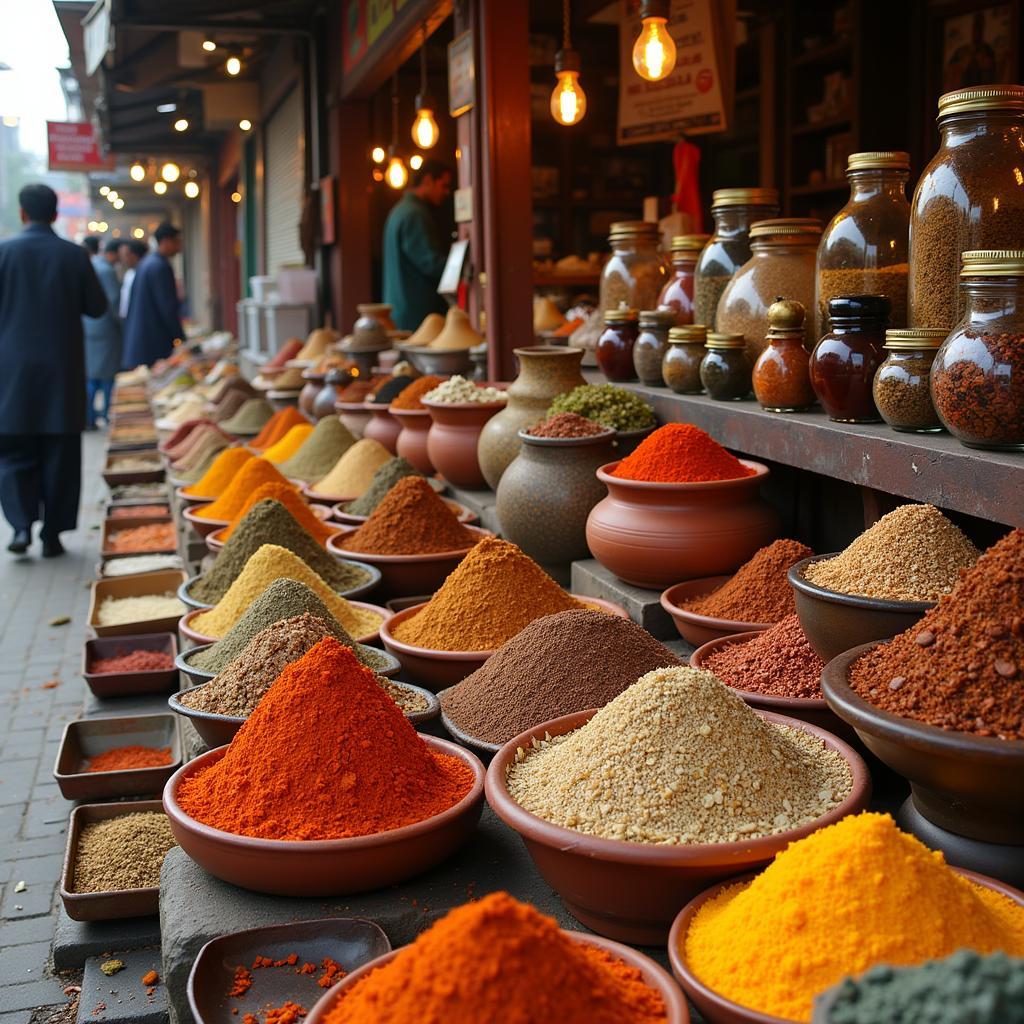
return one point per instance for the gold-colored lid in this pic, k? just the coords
(982, 97)
(663, 316)
(688, 334)
(632, 228)
(726, 339)
(786, 318)
(894, 160)
(689, 243)
(744, 197)
(992, 263)
(785, 227)
(622, 315)
(904, 338)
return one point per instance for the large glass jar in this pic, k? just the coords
(844, 362)
(781, 267)
(680, 369)
(651, 343)
(978, 374)
(635, 272)
(614, 351)
(733, 210)
(725, 368)
(971, 196)
(781, 377)
(678, 290)
(901, 389)
(864, 248)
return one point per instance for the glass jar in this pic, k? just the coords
(971, 196)
(978, 375)
(864, 248)
(680, 369)
(781, 377)
(733, 210)
(844, 362)
(678, 290)
(725, 368)
(614, 351)
(651, 343)
(635, 272)
(781, 267)
(901, 388)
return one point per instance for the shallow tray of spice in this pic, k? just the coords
(141, 535)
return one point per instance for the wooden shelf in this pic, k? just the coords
(822, 188)
(810, 127)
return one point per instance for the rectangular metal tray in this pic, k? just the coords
(125, 684)
(126, 523)
(161, 582)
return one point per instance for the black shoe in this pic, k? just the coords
(20, 542)
(52, 548)
(91, 427)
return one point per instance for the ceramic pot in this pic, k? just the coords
(355, 416)
(452, 440)
(545, 371)
(412, 441)
(383, 427)
(310, 390)
(653, 535)
(547, 493)
(323, 404)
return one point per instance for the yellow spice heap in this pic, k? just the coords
(848, 897)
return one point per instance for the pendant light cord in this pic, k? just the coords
(423, 64)
(394, 109)
(566, 41)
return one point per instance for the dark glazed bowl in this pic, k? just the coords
(836, 622)
(699, 629)
(972, 786)
(630, 891)
(122, 684)
(332, 867)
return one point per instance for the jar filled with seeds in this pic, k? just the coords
(725, 368)
(901, 388)
(977, 379)
(635, 272)
(678, 290)
(864, 248)
(614, 352)
(680, 369)
(651, 344)
(971, 196)
(733, 210)
(781, 376)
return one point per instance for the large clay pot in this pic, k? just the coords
(547, 492)
(323, 404)
(383, 427)
(412, 441)
(355, 416)
(310, 390)
(452, 440)
(545, 371)
(654, 535)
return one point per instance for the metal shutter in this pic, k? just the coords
(284, 168)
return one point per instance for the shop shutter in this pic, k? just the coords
(284, 168)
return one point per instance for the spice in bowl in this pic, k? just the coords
(122, 759)
(680, 453)
(286, 495)
(383, 480)
(149, 537)
(327, 443)
(120, 853)
(284, 448)
(252, 416)
(458, 391)
(255, 473)
(836, 903)
(214, 482)
(132, 661)
(277, 426)
(411, 397)
(354, 471)
(606, 404)
(567, 424)
(325, 755)
(119, 611)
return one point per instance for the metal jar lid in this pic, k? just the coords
(633, 229)
(785, 227)
(689, 243)
(859, 307)
(663, 317)
(904, 339)
(992, 263)
(688, 334)
(744, 197)
(983, 97)
(622, 315)
(883, 160)
(726, 340)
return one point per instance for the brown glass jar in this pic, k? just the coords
(901, 389)
(614, 351)
(651, 344)
(725, 368)
(678, 291)
(680, 369)
(781, 377)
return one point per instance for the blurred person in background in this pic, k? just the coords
(153, 323)
(103, 337)
(131, 253)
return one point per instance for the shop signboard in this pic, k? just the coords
(96, 35)
(354, 33)
(73, 146)
(461, 74)
(379, 15)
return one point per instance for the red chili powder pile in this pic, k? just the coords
(680, 453)
(124, 758)
(133, 661)
(151, 537)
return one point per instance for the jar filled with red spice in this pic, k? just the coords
(902, 385)
(678, 291)
(680, 369)
(782, 381)
(615, 346)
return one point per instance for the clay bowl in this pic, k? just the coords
(630, 891)
(969, 785)
(716, 1009)
(407, 574)
(465, 514)
(452, 440)
(699, 629)
(676, 1011)
(443, 362)
(196, 676)
(203, 527)
(355, 416)
(215, 541)
(412, 441)
(332, 867)
(439, 669)
(382, 426)
(836, 622)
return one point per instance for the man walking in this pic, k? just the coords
(154, 324)
(46, 285)
(132, 252)
(103, 337)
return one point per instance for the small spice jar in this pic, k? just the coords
(614, 352)
(635, 272)
(678, 291)
(901, 389)
(844, 362)
(977, 379)
(781, 377)
(680, 369)
(725, 368)
(651, 344)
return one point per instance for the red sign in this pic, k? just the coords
(74, 147)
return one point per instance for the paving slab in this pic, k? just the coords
(592, 579)
(75, 941)
(122, 998)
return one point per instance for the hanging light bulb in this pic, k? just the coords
(209, 45)
(181, 125)
(415, 161)
(233, 66)
(111, 196)
(396, 173)
(138, 233)
(170, 171)
(160, 187)
(104, 190)
(654, 52)
(191, 190)
(245, 124)
(425, 132)
(236, 197)
(102, 226)
(568, 100)
(118, 204)
(137, 172)
(378, 154)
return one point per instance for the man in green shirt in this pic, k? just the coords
(414, 251)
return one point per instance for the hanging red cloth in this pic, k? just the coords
(686, 159)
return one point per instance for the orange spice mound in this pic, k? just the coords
(277, 426)
(292, 500)
(409, 398)
(122, 758)
(253, 474)
(218, 477)
(327, 754)
(680, 453)
(497, 960)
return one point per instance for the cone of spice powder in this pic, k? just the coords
(206, 442)
(228, 406)
(354, 471)
(680, 453)
(383, 480)
(277, 426)
(288, 445)
(327, 443)
(217, 478)
(253, 474)
(410, 397)
(174, 449)
(325, 755)
(287, 495)
(253, 415)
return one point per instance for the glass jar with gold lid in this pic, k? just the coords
(969, 197)
(901, 387)
(781, 375)
(651, 343)
(635, 272)
(680, 369)
(725, 368)
(678, 291)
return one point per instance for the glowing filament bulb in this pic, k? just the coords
(654, 52)
(568, 101)
(396, 174)
(425, 132)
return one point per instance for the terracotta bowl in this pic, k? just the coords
(465, 514)
(407, 574)
(836, 622)
(699, 629)
(412, 441)
(969, 785)
(439, 669)
(676, 1011)
(716, 1009)
(484, 750)
(215, 541)
(331, 867)
(382, 426)
(631, 891)
(354, 415)
(191, 499)
(453, 437)
(203, 527)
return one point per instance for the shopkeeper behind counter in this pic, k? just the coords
(414, 249)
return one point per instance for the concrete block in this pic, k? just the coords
(75, 941)
(122, 998)
(591, 578)
(482, 503)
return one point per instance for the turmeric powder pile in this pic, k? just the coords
(848, 897)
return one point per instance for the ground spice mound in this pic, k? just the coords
(360, 388)
(230, 404)
(133, 661)
(149, 537)
(277, 426)
(500, 960)
(559, 664)
(117, 611)
(411, 519)
(214, 482)
(388, 389)
(383, 480)
(284, 494)
(325, 755)
(122, 853)
(206, 448)
(287, 446)
(354, 471)
(913, 553)
(493, 593)
(178, 436)
(411, 397)
(130, 511)
(680, 453)
(327, 443)
(195, 473)
(962, 666)
(678, 758)
(841, 900)
(759, 592)
(566, 424)
(251, 417)
(124, 758)
(780, 662)
(255, 473)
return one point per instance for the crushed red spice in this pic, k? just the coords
(680, 453)
(567, 424)
(121, 759)
(241, 984)
(132, 661)
(151, 537)
(409, 398)
(130, 511)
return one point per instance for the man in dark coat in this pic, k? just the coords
(103, 337)
(46, 285)
(153, 323)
